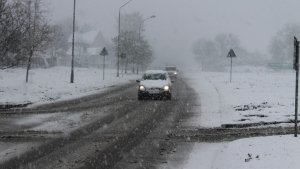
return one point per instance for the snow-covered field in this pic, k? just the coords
(47, 85)
(274, 152)
(254, 95)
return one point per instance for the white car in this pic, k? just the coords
(155, 84)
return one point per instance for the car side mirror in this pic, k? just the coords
(138, 81)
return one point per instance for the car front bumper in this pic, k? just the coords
(160, 94)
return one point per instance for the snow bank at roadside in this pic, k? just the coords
(255, 95)
(47, 85)
(274, 152)
(208, 110)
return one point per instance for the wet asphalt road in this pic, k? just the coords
(107, 140)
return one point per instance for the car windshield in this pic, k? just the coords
(154, 76)
(170, 69)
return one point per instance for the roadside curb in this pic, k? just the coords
(244, 125)
(10, 106)
(227, 134)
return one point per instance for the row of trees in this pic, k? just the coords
(211, 54)
(133, 44)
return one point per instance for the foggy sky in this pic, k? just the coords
(179, 23)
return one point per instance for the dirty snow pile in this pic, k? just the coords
(256, 94)
(46, 85)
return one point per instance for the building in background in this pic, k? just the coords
(88, 46)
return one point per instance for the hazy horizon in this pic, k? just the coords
(179, 23)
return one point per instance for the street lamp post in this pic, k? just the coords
(73, 39)
(141, 24)
(119, 31)
(140, 29)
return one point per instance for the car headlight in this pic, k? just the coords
(175, 73)
(142, 88)
(166, 88)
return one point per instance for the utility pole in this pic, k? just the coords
(296, 67)
(32, 35)
(29, 37)
(119, 32)
(73, 41)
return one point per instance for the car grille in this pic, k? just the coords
(156, 88)
(153, 90)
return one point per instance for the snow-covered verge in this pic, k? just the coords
(256, 94)
(274, 152)
(47, 85)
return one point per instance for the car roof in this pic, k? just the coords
(155, 71)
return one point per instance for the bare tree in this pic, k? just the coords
(137, 49)
(130, 22)
(211, 54)
(206, 53)
(59, 43)
(281, 47)
(39, 33)
(13, 27)
(23, 31)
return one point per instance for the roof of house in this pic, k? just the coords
(93, 38)
(94, 42)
